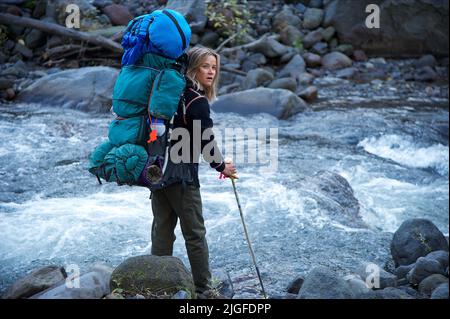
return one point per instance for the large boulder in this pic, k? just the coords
(152, 277)
(441, 292)
(322, 283)
(404, 26)
(35, 282)
(423, 268)
(278, 102)
(416, 238)
(257, 77)
(86, 89)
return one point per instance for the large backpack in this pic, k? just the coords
(146, 96)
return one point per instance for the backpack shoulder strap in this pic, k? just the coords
(185, 108)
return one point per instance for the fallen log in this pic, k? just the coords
(52, 28)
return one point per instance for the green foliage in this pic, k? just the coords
(298, 44)
(3, 35)
(229, 18)
(30, 4)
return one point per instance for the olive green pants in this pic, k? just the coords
(168, 205)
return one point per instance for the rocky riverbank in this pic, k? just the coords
(418, 270)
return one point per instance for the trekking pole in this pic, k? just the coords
(248, 239)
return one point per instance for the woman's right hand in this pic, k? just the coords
(230, 170)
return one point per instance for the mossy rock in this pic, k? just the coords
(152, 276)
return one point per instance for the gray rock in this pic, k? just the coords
(328, 33)
(284, 83)
(357, 285)
(285, 18)
(19, 69)
(320, 48)
(404, 30)
(347, 49)
(291, 36)
(376, 276)
(422, 269)
(92, 285)
(402, 271)
(312, 38)
(209, 39)
(336, 60)
(415, 238)
(257, 77)
(285, 296)
(278, 102)
(429, 284)
(295, 285)
(117, 14)
(426, 60)
(322, 283)
(35, 282)
(440, 292)
(426, 74)
(441, 256)
(268, 46)
(288, 56)
(94, 86)
(313, 18)
(194, 11)
(23, 50)
(152, 275)
(390, 293)
(295, 67)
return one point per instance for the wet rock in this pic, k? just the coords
(117, 14)
(415, 238)
(284, 83)
(441, 292)
(278, 102)
(284, 296)
(257, 77)
(312, 18)
(295, 285)
(94, 89)
(357, 285)
(347, 73)
(309, 94)
(402, 271)
(305, 78)
(336, 60)
(429, 284)
(152, 276)
(441, 256)
(423, 268)
(35, 282)
(322, 283)
(92, 285)
(19, 69)
(181, 294)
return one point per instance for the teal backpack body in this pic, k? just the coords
(145, 100)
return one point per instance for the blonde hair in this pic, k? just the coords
(197, 56)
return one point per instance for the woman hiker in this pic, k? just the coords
(181, 199)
